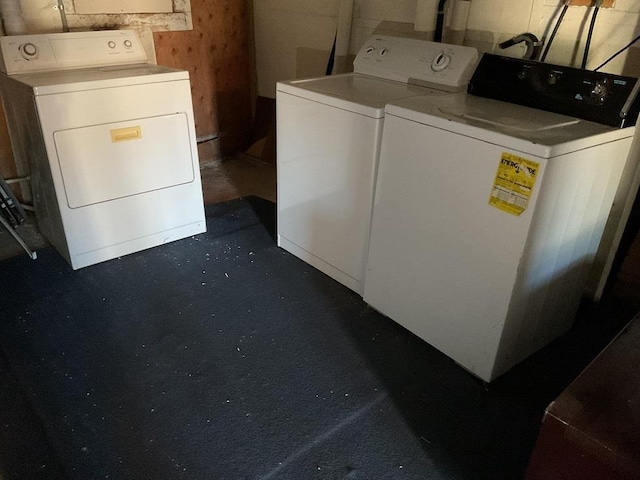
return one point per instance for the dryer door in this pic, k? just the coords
(105, 162)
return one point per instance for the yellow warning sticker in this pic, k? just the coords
(514, 183)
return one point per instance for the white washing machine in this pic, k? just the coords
(328, 140)
(107, 140)
(487, 217)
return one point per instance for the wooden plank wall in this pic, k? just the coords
(217, 54)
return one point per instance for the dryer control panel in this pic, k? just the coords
(64, 51)
(419, 62)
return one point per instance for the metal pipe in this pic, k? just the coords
(33, 255)
(63, 16)
(9, 181)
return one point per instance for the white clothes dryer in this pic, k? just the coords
(328, 140)
(107, 139)
(487, 217)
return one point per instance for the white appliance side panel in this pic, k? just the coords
(19, 110)
(105, 162)
(30, 154)
(117, 227)
(442, 261)
(570, 217)
(616, 223)
(326, 172)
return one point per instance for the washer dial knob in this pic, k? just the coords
(28, 51)
(441, 62)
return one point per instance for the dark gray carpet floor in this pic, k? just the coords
(224, 357)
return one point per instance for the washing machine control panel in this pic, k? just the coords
(595, 96)
(63, 51)
(419, 62)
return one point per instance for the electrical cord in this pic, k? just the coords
(617, 53)
(555, 30)
(590, 34)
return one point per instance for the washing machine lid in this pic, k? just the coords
(47, 83)
(525, 129)
(354, 92)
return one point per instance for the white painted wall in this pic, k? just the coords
(285, 28)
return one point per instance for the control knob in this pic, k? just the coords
(441, 62)
(28, 51)
(600, 91)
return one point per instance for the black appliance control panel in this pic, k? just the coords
(595, 96)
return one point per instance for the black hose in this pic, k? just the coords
(590, 34)
(439, 21)
(555, 30)
(533, 44)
